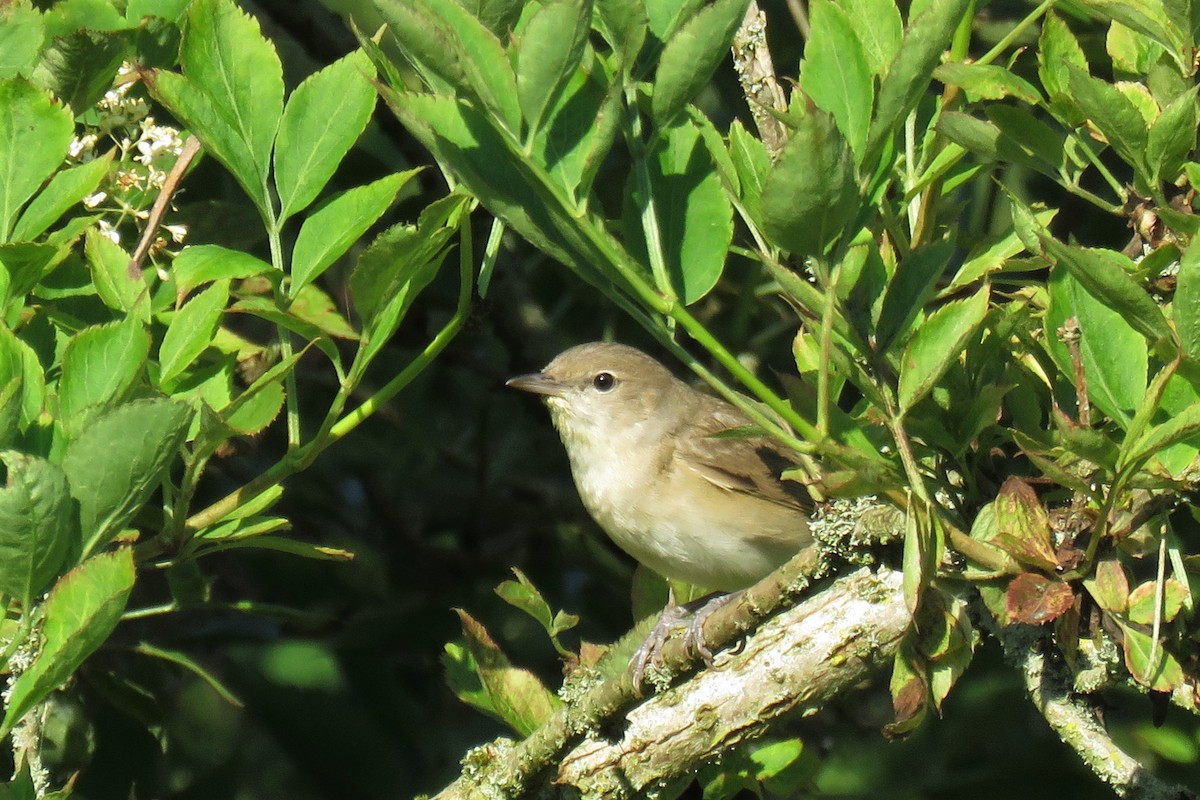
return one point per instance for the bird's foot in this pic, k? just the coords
(650, 650)
(689, 616)
(693, 639)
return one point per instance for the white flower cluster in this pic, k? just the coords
(145, 153)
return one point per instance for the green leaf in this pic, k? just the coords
(1180, 427)
(38, 529)
(116, 463)
(880, 31)
(1105, 274)
(191, 331)
(1058, 51)
(625, 25)
(391, 272)
(191, 665)
(482, 676)
(928, 35)
(1172, 137)
(522, 594)
(549, 53)
(483, 62)
(1164, 674)
(937, 344)
(499, 16)
(752, 163)
(336, 224)
(1109, 585)
(692, 55)
(25, 264)
(909, 289)
(835, 74)
(426, 42)
(120, 288)
(79, 68)
(695, 218)
(317, 308)
(258, 410)
(22, 34)
(323, 119)
(100, 365)
(1113, 114)
(197, 265)
(987, 82)
(1114, 355)
(65, 189)
(1143, 601)
(810, 195)
(35, 132)
(231, 91)
(83, 609)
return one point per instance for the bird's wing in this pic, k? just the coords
(746, 464)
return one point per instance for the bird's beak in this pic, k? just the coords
(537, 383)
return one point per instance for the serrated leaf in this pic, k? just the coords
(83, 609)
(1172, 137)
(314, 306)
(695, 218)
(38, 529)
(987, 82)
(625, 24)
(119, 288)
(910, 289)
(67, 188)
(22, 34)
(197, 265)
(191, 331)
(322, 120)
(231, 91)
(810, 195)
(336, 224)
(691, 56)
(119, 460)
(483, 61)
(1059, 50)
(1034, 599)
(1114, 355)
(880, 30)
(928, 35)
(35, 132)
(835, 74)
(482, 676)
(100, 365)
(425, 41)
(551, 47)
(1113, 114)
(752, 163)
(938, 343)
(1022, 525)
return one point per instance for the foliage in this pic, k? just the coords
(930, 242)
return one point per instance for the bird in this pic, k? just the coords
(676, 477)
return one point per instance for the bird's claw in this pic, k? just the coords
(673, 617)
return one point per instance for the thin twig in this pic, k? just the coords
(191, 147)
(1069, 334)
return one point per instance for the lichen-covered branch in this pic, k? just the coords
(1076, 722)
(793, 664)
(756, 72)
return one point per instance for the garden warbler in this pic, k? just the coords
(654, 472)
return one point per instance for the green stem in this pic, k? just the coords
(1017, 32)
(301, 457)
(284, 337)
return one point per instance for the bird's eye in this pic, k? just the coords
(604, 381)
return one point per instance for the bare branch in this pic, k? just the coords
(1076, 722)
(756, 71)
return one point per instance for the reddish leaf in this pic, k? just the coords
(1023, 527)
(1035, 599)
